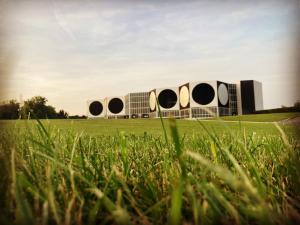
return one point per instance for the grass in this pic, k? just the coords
(269, 117)
(98, 127)
(127, 172)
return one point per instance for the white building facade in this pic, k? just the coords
(203, 99)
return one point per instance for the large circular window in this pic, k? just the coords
(152, 101)
(167, 98)
(203, 93)
(184, 96)
(96, 108)
(223, 94)
(115, 105)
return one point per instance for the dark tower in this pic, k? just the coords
(251, 96)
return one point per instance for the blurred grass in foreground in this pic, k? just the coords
(62, 176)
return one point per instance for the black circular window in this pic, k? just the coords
(203, 94)
(167, 99)
(115, 105)
(96, 108)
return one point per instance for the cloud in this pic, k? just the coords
(63, 24)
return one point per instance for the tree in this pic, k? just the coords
(10, 110)
(62, 114)
(36, 108)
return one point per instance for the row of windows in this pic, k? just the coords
(232, 92)
(185, 113)
(172, 113)
(196, 113)
(224, 111)
(116, 117)
(139, 94)
(139, 105)
(232, 86)
(139, 100)
(204, 112)
(139, 111)
(232, 101)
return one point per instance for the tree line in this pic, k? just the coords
(35, 107)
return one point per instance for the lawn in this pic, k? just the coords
(153, 126)
(270, 117)
(129, 172)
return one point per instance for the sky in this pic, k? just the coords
(74, 51)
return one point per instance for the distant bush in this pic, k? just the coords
(9, 110)
(77, 117)
(32, 108)
(62, 114)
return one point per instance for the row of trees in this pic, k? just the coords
(35, 107)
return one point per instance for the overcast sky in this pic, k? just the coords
(72, 51)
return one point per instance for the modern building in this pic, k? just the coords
(204, 99)
(137, 105)
(167, 99)
(251, 99)
(201, 99)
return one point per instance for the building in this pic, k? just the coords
(137, 105)
(165, 101)
(201, 99)
(250, 96)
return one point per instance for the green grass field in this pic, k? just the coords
(270, 117)
(153, 126)
(135, 172)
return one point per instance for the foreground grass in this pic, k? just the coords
(213, 176)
